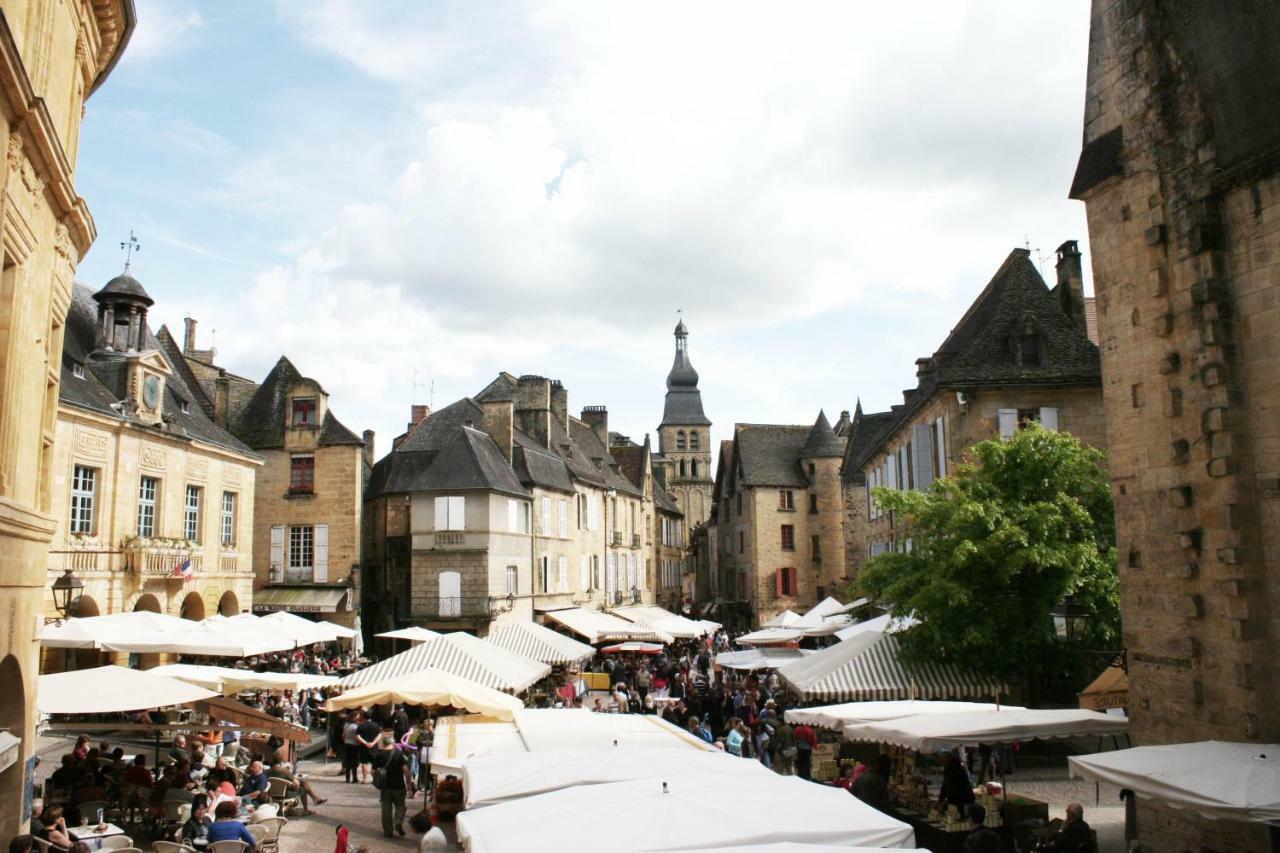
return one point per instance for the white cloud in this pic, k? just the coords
(164, 28)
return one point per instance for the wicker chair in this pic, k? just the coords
(258, 831)
(234, 846)
(284, 793)
(170, 847)
(115, 842)
(271, 840)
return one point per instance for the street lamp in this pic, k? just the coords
(66, 590)
(1069, 619)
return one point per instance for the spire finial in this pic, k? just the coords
(129, 247)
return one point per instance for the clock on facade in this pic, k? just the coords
(151, 392)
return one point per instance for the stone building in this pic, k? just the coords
(684, 436)
(309, 493)
(665, 536)
(1021, 353)
(55, 54)
(499, 507)
(778, 519)
(154, 502)
(1179, 175)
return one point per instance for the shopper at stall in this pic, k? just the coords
(1075, 835)
(806, 743)
(367, 733)
(783, 745)
(957, 787)
(980, 839)
(872, 785)
(393, 772)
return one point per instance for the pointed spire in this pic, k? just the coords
(684, 402)
(857, 411)
(822, 441)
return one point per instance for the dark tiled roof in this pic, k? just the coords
(864, 431)
(585, 438)
(261, 419)
(665, 502)
(822, 441)
(173, 353)
(104, 380)
(438, 429)
(125, 285)
(538, 466)
(500, 389)
(770, 454)
(470, 461)
(630, 459)
(333, 433)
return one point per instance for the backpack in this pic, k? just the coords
(379, 777)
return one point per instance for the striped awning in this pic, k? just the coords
(298, 599)
(866, 667)
(540, 643)
(596, 626)
(462, 655)
(662, 620)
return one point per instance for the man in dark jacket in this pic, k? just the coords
(872, 787)
(1075, 835)
(980, 839)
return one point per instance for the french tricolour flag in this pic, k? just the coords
(183, 570)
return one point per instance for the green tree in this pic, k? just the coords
(994, 547)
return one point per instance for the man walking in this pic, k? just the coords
(783, 745)
(395, 784)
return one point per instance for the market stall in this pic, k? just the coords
(229, 680)
(538, 642)
(662, 620)
(460, 654)
(596, 626)
(836, 717)
(765, 657)
(770, 637)
(112, 689)
(414, 634)
(1109, 690)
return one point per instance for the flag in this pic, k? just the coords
(183, 570)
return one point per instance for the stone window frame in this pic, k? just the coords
(192, 528)
(227, 519)
(309, 408)
(787, 535)
(83, 519)
(302, 474)
(148, 506)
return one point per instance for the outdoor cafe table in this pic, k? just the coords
(91, 836)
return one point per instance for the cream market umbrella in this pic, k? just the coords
(228, 680)
(836, 717)
(111, 690)
(413, 634)
(793, 847)
(203, 639)
(303, 631)
(463, 655)
(209, 677)
(431, 688)
(342, 632)
(677, 811)
(1218, 780)
(785, 619)
(770, 637)
(89, 631)
(939, 732)
(662, 620)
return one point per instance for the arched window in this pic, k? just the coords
(693, 440)
(682, 468)
(693, 467)
(680, 444)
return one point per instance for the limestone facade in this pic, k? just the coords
(1179, 177)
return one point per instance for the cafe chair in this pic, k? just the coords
(232, 846)
(115, 842)
(270, 841)
(265, 812)
(48, 846)
(284, 793)
(258, 831)
(125, 849)
(170, 847)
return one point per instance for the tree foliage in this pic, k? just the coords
(994, 547)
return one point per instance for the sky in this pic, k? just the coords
(408, 197)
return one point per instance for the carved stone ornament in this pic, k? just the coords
(23, 170)
(198, 469)
(154, 457)
(91, 444)
(64, 246)
(231, 475)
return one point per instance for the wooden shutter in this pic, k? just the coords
(545, 528)
(1008, 422)
(922, 447)
(458, 513)
(584, 573)
(442, 513)
(564, 519)
(777, 582)
(891, 471)
(562, 574)
(322, 553)
(277, 547)
(904, 468)
(1049, 418)
(940, 443)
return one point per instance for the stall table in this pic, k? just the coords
(91, 836)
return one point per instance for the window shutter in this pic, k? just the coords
(1049, 418)
(562, 572)
(941, 444)
(584, 573)
(513, 516)
(277, 547)
(777, 582)
(904, 468)
(442, 513)
(891, 471)
(322, 553)
(458, 513)
(1008, 422)
(922, 446)
(564, 519)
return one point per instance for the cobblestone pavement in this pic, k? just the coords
(1102, 808)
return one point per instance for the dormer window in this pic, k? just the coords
(304, 412)
(184, 406)
(1027, 346)
(77, 370)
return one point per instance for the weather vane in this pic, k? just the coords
(129, 247)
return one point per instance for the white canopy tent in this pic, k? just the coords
(302, 631)
(663, 620)
(228, 680)
(796, 847)
(1217, 780)
(884, 624)
(836, 717)
(785, 619)
(770, 637)
(939, 732)
(538, 642)
(492, 780)
(414, 634)
(676, 812)
(88, 631)
(430, 688)
(463, 655)
(203, 639)
(762, 658)
(340, 631)
(596, 626)
(112, 689)
(867, 668)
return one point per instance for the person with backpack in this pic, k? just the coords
(391, 778)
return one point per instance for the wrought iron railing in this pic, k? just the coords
(454, 607)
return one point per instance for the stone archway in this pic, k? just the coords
(228, 605)
(13, 716)
(148, 602)
(192, 607)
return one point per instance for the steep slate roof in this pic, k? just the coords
(822, 441)
(977, 353)
(683, 404)
(538, 466)
(104, 380)
(586, 439)
(262, 420)
(770, 454)
(864, 432)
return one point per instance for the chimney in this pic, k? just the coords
(533, 407)
(369, 455)
(221, 392)
(924, 368)
(597, 417)
(560, 404)
(189, 336)
(1070, 287)
(418, 413)
(842, 425)
(499, 421)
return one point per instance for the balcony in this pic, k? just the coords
(635, 540)
(161, 560)
(448, 608)
(616, 538)
(615, 597)
(228, 563)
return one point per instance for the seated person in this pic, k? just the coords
(433, 838)
(1075, 835)
(180, 752)
(253, 790)
(197, 826)
(138, 774)
(226, 826)
(88, 789)
(449, 796)
(282, 770)
(50, 825)
(67, 773)
(219, 773)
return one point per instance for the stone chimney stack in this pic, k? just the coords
(499, 422)
(597, 417)
(560, 405)
(418, 413)
(369, 455)
(533, 407)
(221, 393)
(189, 336)
(1070, 287)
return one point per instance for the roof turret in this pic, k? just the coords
(822, 441)
(684, 401)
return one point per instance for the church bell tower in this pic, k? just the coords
(684, 436)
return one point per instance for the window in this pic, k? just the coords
(815, 542)
(693, 467)
(785, 582)
(788, 537)
(813, 503)
(742, 542)
(545, 528)
(451, 513)
(562, 574)
(682, 468)
(304, 412)
(544, 573)
(450, 594)
(786, 499)
(1028, 351)
(302, 474)
(83, 486)
(513, 581)
(513, 515)
(739, 503)
(563, 519)
(694, 441)
(584, 573)
(227, 520)
(302, 548)
(1026, 417)
(77, 370)
(148, 488)
(680, 441)
(191, 515)
(595, 571)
